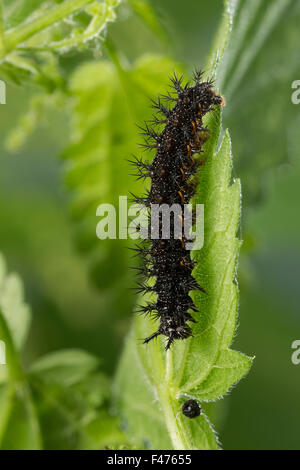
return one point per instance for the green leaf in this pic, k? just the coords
(269, 20)
(101, 433)
(6, 400)
(65, 367)
(17, 11)
(262, 40)
(203, 367)
(46, 24)
(33, 36)
(136, 398)
(244, 21)
(71, 396)
(62, 401)
(31, 31)
(229, 368)
(145, 398)
(14, 309)
(19, 426)
(216, 265)
(221, 39)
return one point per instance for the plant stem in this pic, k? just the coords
(14, 367)
(165, 394)
(175, 429)
(18, 380)
(18, 35)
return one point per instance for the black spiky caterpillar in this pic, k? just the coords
(172, 174)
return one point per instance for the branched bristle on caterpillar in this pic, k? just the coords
(172, 173)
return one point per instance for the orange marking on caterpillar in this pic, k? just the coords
(197, 141)
(181, 219)
(182, 242)
(181, 197)
(183, 262)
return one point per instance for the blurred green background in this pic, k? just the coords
(37, 238)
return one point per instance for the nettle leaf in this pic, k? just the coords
(17, 11)
(34, 34)
(55, 25)
(109, 102)
(65, 367)
(31, 31)
(15, 311)
(71, 396)
(61, 401)
(215, 58)
(215, 271)
(150, 395)
(255, 74)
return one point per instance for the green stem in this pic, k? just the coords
(176, 434)
(17, 379)
(16, 373)
(165, 393)
(18, 35)
(7, 401)
(221, 38)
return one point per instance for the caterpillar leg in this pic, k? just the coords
(170, 341)
(154, 335)
(157, 333)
